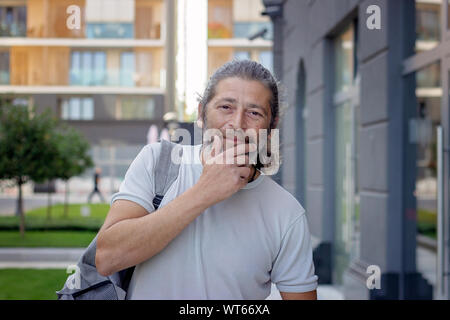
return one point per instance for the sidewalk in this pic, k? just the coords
(61, 258)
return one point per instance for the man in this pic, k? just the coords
(223, 230)
(96, 190)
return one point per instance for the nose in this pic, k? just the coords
(237, 121)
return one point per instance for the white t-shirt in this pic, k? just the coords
(233, 250)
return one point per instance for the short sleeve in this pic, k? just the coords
(293, 268)
(137, 185)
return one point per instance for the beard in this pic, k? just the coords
(230, 138)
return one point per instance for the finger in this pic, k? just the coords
(244, 172)
(216, 146)
(239, 149)
(214, 150)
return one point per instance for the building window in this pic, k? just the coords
(346, 110)
(422, 133)
(116, 67)
(266, 59)
(110, 18)
(429, 77)
(4, 67)
(135, 108)
(127, 69)
(428, 26)
(263, 57)
(88, 68)
(109, 30)
(77, 108)
(247, 29)
(344, 60)
(13, 21)
(242, 55)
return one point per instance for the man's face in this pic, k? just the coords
(240, 105)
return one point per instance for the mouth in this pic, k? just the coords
(239, 140)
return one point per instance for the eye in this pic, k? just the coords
(225, 107)
(255, 113)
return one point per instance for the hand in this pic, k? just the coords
(224, 172)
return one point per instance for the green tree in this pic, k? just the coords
(26, 147)
(73, 157)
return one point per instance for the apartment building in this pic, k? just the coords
(103, 66)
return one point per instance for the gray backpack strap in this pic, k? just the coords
(92, 285)
(166, 171)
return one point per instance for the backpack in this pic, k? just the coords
(86, 283)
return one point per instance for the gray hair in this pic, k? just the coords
(247, 70)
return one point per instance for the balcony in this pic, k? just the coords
(110, 30)
(100, 19)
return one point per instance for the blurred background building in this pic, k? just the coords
(112, 78)
(130, 63)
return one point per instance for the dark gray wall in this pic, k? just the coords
(387, 240)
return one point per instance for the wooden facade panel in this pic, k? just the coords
(149, 63)
(57, 19)
(38, 66)
(36, 19)
(144, 66)
(217, 57)
(18, 66)
(57, 66)
(148, 19)
(48, 19)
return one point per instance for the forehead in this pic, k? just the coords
(244, 91)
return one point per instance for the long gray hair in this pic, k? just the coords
(247, 70)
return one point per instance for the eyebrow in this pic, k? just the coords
(251, 105)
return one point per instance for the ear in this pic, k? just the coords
(199, 116)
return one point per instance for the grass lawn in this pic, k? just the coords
(98, 210)
(36, 219)
(73, 230)
(31, 284)
(52, 239)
